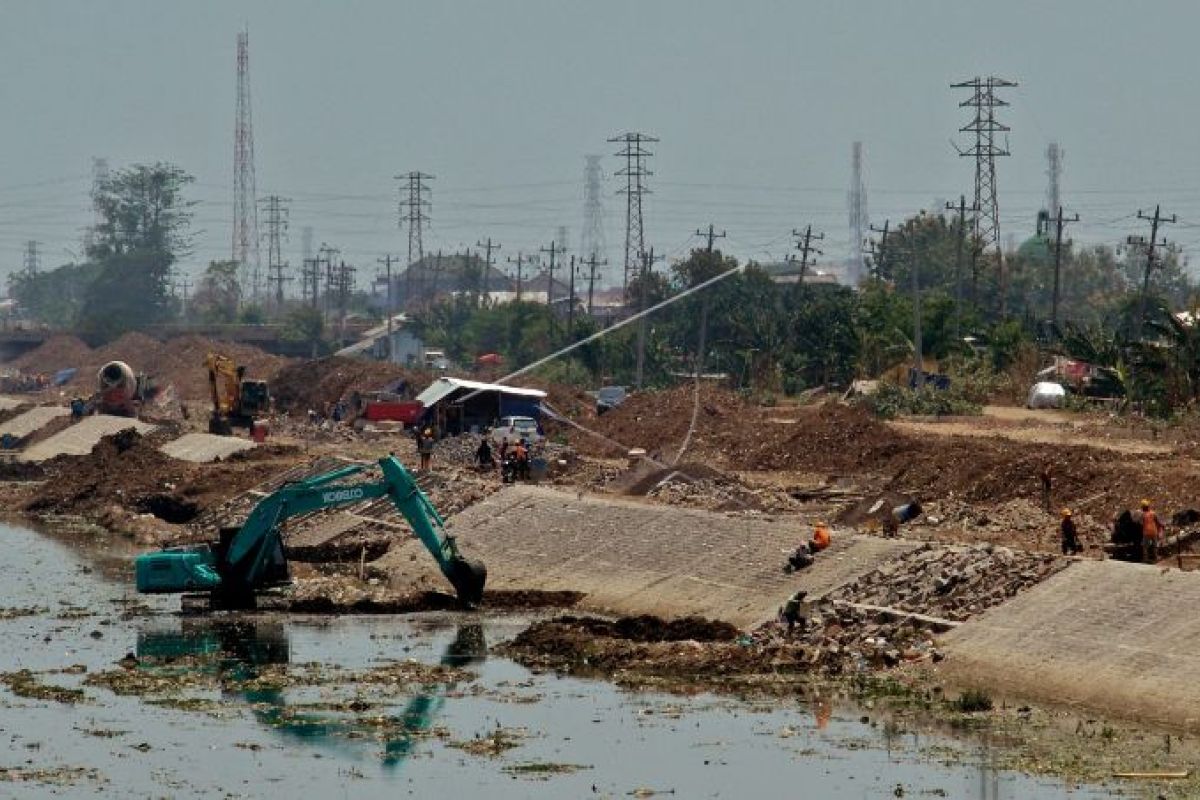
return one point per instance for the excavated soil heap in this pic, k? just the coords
(177, 362)
(306, 385)
(57, 352)
(657, 421)
(123, 468)
(127, 470)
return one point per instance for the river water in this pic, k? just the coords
(69, 608)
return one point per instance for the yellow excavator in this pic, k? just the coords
(236, 401)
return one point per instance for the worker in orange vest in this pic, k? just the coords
(1152, 531)
(821, 537)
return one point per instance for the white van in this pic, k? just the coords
(516, 428)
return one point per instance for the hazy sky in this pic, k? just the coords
(756, 105)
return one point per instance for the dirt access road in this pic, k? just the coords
(1039, 427)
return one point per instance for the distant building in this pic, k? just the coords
(788, 272)
(444, 276)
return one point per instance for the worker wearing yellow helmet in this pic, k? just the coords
(1070, 535)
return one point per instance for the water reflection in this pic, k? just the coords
(240, 652)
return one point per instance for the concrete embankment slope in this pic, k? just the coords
(1120, 637)
(633, 557)
(80, 438)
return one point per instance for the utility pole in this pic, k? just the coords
(1059, 221)
(520, 260)
(329, 254)
(276, 233)
(709, 236)
(634, 172)
(647, 270)
(571, 305)
(552, 250)
(985, 151)
(488, 247)
(879, 250)
(958, 263)
(1155, 221)
(804, 245)
(592, 262)
(344, 283)
(184, 285)
(701, 342)
(310, 280)
(387, 261)
(918, 344)
(437, 276)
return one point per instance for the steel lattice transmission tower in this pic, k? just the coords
(100, 175)
(276, 234)
(985, 151)
(33, 259)
(1054, 167)
(856, 200)
(591, 240)
(245, 206)
(413, 211)
(634, 173)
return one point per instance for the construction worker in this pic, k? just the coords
(483, 455)
(821, 537)
(1047, 480)
(425, 447)
(791, 609)
(522, 453)
(1152, 531)
(1070, 536)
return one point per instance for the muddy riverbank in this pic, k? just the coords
(112, 695)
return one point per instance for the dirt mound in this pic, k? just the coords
(177, 362)
(125, 474)
(831, 435)
(305, 385)
(658, 420)
(58, 352)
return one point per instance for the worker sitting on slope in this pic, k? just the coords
(1152, 531)
(1070, 536)
(821, 537)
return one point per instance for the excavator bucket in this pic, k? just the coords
(467, 578)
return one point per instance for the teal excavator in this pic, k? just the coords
(249, 559)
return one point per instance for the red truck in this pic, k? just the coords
(407, 411)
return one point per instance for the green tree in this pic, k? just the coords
(218, 293)
(143, 230)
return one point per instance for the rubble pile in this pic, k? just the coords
(830, 639)
(953, 582)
